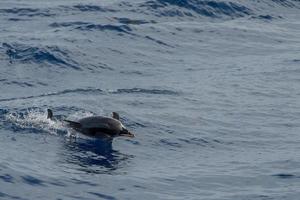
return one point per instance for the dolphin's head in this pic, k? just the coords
(124, 132)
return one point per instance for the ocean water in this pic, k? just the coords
(211, 89)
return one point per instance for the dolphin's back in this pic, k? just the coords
(98, 122)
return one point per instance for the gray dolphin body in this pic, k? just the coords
(98, 126)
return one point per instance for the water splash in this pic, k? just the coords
(35, 120)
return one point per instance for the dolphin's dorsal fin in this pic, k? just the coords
(115, 115)
(49, 114)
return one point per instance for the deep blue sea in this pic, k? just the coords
(211, 89)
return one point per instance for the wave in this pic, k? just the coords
(52, 11)
(40, 55)
(214, 9)
(97, 91)
(29, 12)
(164, 8)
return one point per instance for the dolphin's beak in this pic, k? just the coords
(128, 134)
(131, 135)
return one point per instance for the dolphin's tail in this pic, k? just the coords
(73, 124)
(49, 114)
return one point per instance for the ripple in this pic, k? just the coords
(67, 91)
(266, 17)
(7, 178)
(102, 196)
(289, 4)
(67, 24)
(92, 8)
(97, 91)
(285, 176)
(17, 19)
(3, 112)
(146, 91)
(158, 41)
(86, 26)
(125, 20)
(7, 196)
(106, 27)
(170, 143)
(19, 83)
(32, 181)
(196, 141)
(94, 156)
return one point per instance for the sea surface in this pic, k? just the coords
(211, 89)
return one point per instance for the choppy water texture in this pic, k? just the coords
(210, 88)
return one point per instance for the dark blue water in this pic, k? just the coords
(210, 88)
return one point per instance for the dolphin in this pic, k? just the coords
(98, 126)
